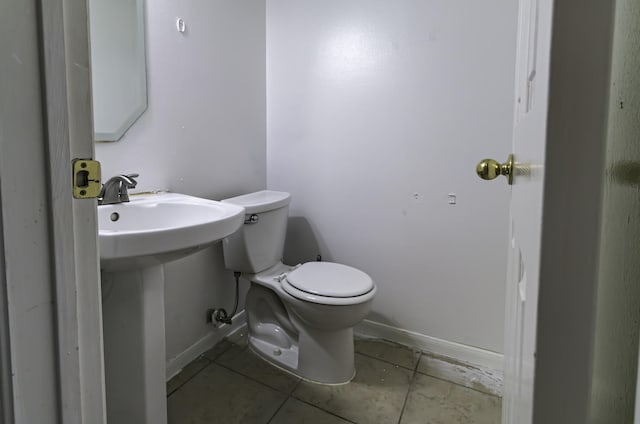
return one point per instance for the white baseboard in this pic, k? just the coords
(481, 358)
(177, 363)
(472, 355)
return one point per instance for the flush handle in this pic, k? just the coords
(252, 219)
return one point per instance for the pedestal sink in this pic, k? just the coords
(136, 239)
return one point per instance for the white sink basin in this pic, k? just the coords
(157, 228)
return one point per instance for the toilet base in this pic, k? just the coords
(285, 359)
(311, 341)
(314, 371)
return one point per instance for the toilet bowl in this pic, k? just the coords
(300, 318)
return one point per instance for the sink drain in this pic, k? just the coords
(115, 216)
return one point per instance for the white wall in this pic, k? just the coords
(376, 111)
(203, 134)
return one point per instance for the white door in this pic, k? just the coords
(560, 314)
(529, 139)
(50, 312)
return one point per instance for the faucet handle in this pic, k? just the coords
(127, 181)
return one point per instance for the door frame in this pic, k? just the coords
(580, 70)
(65, 29)
(571, 210)
(54, 34)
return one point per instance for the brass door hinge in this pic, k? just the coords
(86, 178)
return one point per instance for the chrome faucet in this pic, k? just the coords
(115, 189)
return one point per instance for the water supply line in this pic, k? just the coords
(220, 315)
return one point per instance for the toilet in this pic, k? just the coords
(300, 318)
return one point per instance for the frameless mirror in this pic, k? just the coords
(118, 66)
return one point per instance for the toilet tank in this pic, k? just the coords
(259, 243)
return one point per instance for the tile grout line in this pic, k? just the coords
(252, 379)
(243, 348)
(322, 409)
(231, 344)
(295, 387)
(387, 361)
(414, 369)
(406, 398)
(209, 362)
(458, 384)
(421, 353)
(278, 410)
(290, 395)
(449, 381)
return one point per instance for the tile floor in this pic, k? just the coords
(393, 384)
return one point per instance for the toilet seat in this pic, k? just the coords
(329, 283)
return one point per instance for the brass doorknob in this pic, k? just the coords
(489, 169)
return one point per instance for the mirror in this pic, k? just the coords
(118, 66)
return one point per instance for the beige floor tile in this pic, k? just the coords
(187, 372)
(376, 395)
(388, 351)
(434, 401)
(244, 361)
(297, 412)
(217, 395)
(483, 380)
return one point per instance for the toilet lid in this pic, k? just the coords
(330, 280)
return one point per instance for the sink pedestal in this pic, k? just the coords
(134, 345)
(136, 239)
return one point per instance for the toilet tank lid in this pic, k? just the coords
(330, 280)
(261, 201)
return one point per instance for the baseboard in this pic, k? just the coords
(469, 354)
(177, 363)
(477, 357)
